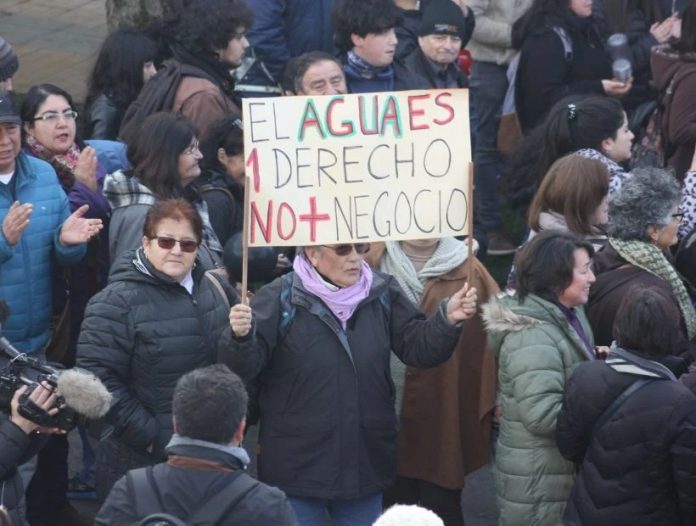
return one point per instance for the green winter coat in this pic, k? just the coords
(537, 350)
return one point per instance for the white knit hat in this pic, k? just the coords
(402, 515)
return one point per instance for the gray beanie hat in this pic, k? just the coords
(8, 60)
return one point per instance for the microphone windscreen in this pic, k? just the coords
(84, 393)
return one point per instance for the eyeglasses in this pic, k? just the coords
(55, 116)
(191, 150)
(344, 250)
(167, 243)
(679, 216)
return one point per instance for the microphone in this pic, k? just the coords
(84, 393)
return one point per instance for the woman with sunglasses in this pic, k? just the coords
(159, 317)
(321, 345)
(165, 158)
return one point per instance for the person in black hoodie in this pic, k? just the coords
(562, 53)
(636, 456)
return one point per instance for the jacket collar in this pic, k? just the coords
(227, 456)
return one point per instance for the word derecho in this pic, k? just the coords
(357, 167)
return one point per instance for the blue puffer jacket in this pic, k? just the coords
(25, 268)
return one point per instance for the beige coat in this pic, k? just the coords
(492, 35)
(447, 410)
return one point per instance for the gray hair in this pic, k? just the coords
(645, 199)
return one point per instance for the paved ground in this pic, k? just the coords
(56, 40)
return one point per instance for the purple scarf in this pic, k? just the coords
(341, 302)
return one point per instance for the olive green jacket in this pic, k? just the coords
(537, 350)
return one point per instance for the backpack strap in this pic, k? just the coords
(216, 507)
(210, 274)
(625, 395)
(144, 494)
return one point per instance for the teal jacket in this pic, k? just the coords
(25, 268)
(537, 350)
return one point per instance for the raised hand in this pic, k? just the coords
(78, 229)
(16, 220)
(86, 169)
(240, 319)
(462, 305)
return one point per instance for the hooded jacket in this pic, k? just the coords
(638, 467)
(140, 334)
(537, 350)
(679, 116)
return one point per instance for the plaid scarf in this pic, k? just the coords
(63, 164)
(123, 190)
(650, 258)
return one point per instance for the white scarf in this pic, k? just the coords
(449, 254)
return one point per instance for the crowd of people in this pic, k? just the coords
(375, 376)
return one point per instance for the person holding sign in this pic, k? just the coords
(445, 413)
(319, 341)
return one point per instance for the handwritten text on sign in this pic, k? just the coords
(365, 167)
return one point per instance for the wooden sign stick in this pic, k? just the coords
(470, 225)
(245, 241)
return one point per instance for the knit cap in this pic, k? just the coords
(443, 17)
(8, 60)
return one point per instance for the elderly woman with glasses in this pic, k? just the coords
(160, 316)
(644, 219)
(319, 343)
(165, 158)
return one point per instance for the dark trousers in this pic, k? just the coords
(46, 492)
(444, 502)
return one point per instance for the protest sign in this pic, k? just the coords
(355, 168)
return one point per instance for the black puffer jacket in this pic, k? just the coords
(16, 447)
(326, 394)
(640, 467)
(140, 335)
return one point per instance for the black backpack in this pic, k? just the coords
(148, 500)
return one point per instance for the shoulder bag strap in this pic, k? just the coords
(145, 496)
(625, 395)
(218, 286)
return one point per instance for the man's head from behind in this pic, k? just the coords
(210, 404)
(367, 28)
(318, 73)
(441, 31)
(8, 65)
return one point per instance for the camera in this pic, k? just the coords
(20, 370)
(79, 393)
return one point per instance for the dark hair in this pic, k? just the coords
(541, 14)
(118, 70)
(360, 17)
(177, 209)
(648, 321)
(287, 76)
(35, 97)
(593, 119)
(209, 404)
(226, 133)
(154, 152)
(573, 187)
(207, 25)
(687, 42)
(545, 264)
(306, 61)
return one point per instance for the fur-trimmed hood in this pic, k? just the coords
(505, 314)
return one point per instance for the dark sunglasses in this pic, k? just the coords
(167, 243)
(344, 250)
